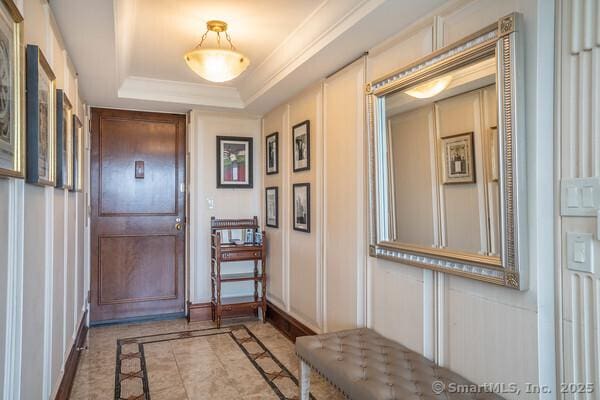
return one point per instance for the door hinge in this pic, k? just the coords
(88, 297)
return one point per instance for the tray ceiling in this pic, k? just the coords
(129, 53)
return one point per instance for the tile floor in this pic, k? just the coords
(182, 369)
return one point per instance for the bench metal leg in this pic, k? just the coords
(304, 381)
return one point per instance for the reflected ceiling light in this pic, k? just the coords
(429, 88)
(216, 64)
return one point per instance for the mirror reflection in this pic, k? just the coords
(442, 141)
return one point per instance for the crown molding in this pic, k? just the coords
(140, 88)
(323, 26)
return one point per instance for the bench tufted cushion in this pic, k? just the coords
(364, 365)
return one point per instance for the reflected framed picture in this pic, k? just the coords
(41, 113)
(272, 206)
(494, 156)
(77, 139)
(64, 141)
(12, 92)
(301, 146)
(301, 198)
(272, 152)
(458, 159)
(234, 162)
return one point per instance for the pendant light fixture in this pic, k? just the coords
(217, 64)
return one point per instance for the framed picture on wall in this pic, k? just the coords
(234, 162)
(301, 146)
(458, 159)
(41, 128)
(64, 141)
(301, 198)
(272, 206)
(12, 92)
(272, 152)
(77, 154)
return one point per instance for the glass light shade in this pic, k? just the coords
(430, 88)
(216, 65)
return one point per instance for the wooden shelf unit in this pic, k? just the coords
(226, 252)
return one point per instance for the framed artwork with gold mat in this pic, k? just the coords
(77, 154)
(41, 127)
(12, 92)
(64, 141)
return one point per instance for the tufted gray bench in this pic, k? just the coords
(364, 365)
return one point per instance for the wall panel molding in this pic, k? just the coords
(14, 293)
(578, 135)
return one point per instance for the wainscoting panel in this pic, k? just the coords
(39, 315)
(579, 59)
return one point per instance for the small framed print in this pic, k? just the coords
(77, 154)
(301, 146)
(458, 159)
(234, 162)
(12, 92)
(301, 198)
(64, 141)
(272, 152)
(41, 133)
(272, 206)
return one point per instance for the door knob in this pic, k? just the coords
(179, 226)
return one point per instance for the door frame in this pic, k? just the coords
(87, 237)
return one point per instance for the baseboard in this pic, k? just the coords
(199, 312)
(287, 324)
(66, 383)
(137, 320)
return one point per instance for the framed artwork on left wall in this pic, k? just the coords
(64, 141)
(12, 92)
(41, 128)
(77, 154)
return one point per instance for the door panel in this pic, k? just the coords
(122, 143)
(137, 168)
(137, 268)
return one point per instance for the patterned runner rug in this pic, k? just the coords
(197, 356)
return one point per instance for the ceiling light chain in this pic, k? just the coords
(231, 46)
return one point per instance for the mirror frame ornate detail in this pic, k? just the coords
(510, 269)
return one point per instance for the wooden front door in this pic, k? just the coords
(138, 214)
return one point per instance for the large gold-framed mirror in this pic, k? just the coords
(447, 160)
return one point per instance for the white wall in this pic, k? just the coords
(485, 332)
(228, 203)
(41, 298)
(458, 319)
(318, 277)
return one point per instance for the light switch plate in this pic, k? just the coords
(580, 197)
(580, 255)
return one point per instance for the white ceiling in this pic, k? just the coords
(129, 53)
